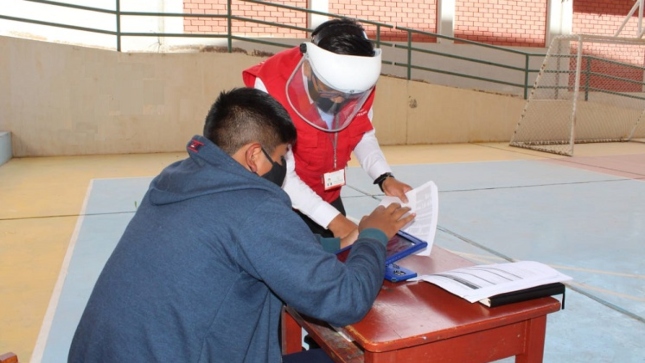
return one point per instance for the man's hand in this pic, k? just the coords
(349, 239)
(394, 188)
(388, 219)
(342, 227)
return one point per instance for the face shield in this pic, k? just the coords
(327, 89)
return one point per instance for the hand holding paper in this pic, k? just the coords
(424, 201)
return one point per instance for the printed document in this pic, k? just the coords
(424, 201)
(478, 282)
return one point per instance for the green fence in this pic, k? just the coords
(437, 59)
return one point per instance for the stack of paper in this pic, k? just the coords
(480, 282)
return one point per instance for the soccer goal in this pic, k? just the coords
(589, 89)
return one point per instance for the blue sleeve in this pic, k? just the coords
(280, 250)
(329, 244)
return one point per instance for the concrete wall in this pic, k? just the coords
(68, 100)
(409, 112)
(60, 99)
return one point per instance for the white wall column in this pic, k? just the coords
(446, 19)
(315, 19)
(559, 19)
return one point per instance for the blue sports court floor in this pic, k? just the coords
(583, 215)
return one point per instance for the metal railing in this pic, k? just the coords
(415, 54)
(525, 70)
(630, 87)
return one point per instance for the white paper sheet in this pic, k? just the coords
(424, 201)
(481, 281)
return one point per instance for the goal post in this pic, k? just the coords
(589, 89)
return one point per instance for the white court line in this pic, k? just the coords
(492, 259)
(41, 342)
(487, 259)
(605, 291)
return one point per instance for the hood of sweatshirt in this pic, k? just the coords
(207, 170)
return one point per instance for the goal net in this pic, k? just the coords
(589, 89)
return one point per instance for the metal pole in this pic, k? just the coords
(378, 35)
(639, 31)
(229, 22)
(638, 3)
(526, 76)
(587, 78)
(118, 25)
(574, 117)
(409, 65)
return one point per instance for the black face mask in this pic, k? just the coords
(326, 105)
(278, 171)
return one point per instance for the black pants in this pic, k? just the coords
(315, 227)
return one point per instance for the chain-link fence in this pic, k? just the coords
(589, 89)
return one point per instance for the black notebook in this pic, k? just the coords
(556, 288)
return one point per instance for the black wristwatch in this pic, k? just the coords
(382, 178)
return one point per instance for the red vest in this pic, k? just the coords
(313, 150)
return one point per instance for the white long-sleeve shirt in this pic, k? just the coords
(369, 155)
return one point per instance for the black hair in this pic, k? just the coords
(244, 115)
(343, 36)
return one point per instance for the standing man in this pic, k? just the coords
(327, 85)
(214, 251)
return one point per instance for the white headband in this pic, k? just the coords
(345, 73)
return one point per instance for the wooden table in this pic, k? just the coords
(418, 322)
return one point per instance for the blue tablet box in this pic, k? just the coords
(399, 246)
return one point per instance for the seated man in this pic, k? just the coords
(214, 251)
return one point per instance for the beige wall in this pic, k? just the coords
(409, 112)
(68, 100)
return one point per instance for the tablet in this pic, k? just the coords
(401, 245)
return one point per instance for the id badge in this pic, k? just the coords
(334, 179)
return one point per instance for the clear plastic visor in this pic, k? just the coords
(319, 104)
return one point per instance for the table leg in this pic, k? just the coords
(291, 334)
(535, 336)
